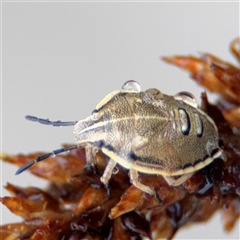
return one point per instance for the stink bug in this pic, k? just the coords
(145, 131)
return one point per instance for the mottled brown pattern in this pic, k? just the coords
(138, 128)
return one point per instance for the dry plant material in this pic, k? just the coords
(76, 205)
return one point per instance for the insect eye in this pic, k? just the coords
(131, 85)
(155, 93)
(95, 115)
(94, 111)
(187, 98)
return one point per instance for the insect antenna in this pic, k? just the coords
(43, 157)
(48, 122)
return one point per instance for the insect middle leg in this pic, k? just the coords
(107, 175)
(176, 181)
(135, 181)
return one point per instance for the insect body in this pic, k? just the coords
(147, 132)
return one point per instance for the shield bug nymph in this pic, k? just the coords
(145, 131)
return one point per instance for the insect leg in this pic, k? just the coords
(90, 154)
(107, 175)
(43, 157)
(108, 171)
(173, 181)
(135, 181)
(91, 158)
(48, 122)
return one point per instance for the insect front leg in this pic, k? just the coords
(135, 181)
(91, 158)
